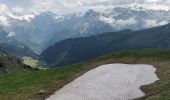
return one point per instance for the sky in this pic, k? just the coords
(67, 6)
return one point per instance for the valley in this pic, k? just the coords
(84, 50)
(33, 76)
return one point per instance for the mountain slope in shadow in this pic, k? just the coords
(74, 50)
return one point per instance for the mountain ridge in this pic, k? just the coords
(47, 28)
(18, 50)
(74, 50)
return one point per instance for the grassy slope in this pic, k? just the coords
(21, 86)
(11, 64)
(31, 62)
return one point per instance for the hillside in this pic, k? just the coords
(38, 85)
(9, 64)
(79, 49)
(17, 50)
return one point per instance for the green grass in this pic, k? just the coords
(21, 86)
(31, 62)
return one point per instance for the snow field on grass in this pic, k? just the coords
(109, 82)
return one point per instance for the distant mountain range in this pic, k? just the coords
(74, 50)
(39, 31)
(67, 39)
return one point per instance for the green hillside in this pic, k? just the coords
(11, 64)
(38, 85)
(32, 62)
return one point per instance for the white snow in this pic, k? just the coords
(109, 82)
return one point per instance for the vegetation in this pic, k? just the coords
(17, 50)
(31, 62)
(75, 50)
(28, 85)
(11, 64)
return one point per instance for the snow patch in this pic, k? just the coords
(109, 82)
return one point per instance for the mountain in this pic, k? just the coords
(5, 37)
(74, 50)
(17, 50)
(40, 31)
(111, 20)
(10, 45)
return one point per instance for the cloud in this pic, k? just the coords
(18, 10)
(125, 22)
(163, 23)
(4, 10)
(107, 20)
(152, 1)
(4, 21)
(119, 22)
(11, 34)
(150, 23)
(68, 6)
(153, 23)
